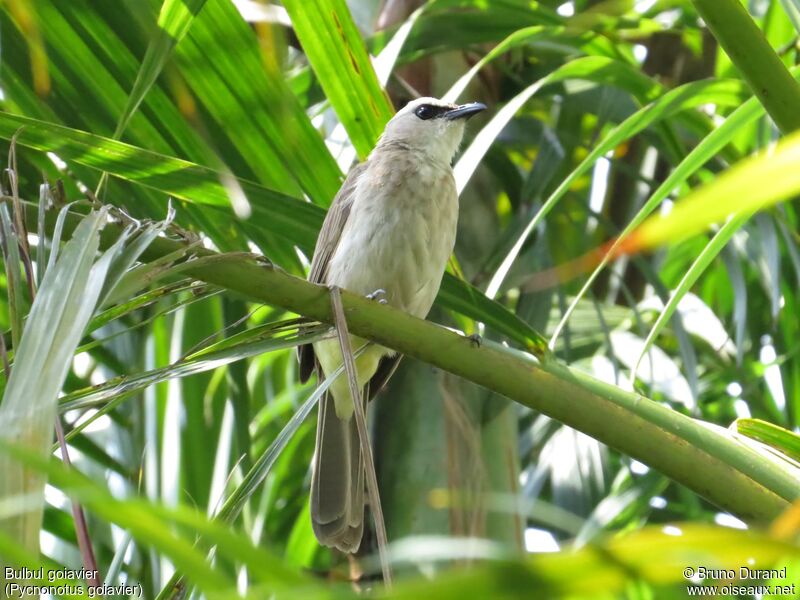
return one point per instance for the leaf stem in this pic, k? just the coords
(752, 54)
(363, 435)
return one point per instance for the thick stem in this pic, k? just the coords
(700, 456)
(760, 66)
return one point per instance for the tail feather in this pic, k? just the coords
(337, 481)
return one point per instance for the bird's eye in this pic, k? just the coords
(425, 112)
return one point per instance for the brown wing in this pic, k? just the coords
(333, 225)
(327, 242)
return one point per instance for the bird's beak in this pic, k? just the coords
(465, 111)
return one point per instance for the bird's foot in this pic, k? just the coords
(475, 339)
(379, 295)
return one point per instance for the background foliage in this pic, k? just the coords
(181, 400)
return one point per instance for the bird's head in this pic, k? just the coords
(430, 126)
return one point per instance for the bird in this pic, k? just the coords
(389, 232)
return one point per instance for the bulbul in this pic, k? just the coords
(390, 229)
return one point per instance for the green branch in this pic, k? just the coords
(728, 473)
(752, 54)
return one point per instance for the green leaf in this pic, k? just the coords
(777, 437)
(337, 54)
(249, 98)
(160, 126)
(596, 69)
(63, 306)
(699, 265)
(464, 298)
(521, 38)
(285, 216)
(462, 24)
(708, 147)
(659, 554)
(752, 184)
(143, 522)
(238, 498)
(174, 20)
(14, 278)
(257, 340)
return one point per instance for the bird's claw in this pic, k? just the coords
(378, 295)
(475, 339)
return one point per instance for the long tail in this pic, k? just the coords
(337, 481)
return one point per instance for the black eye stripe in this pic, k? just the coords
(430, 111)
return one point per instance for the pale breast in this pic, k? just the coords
(400, 232)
